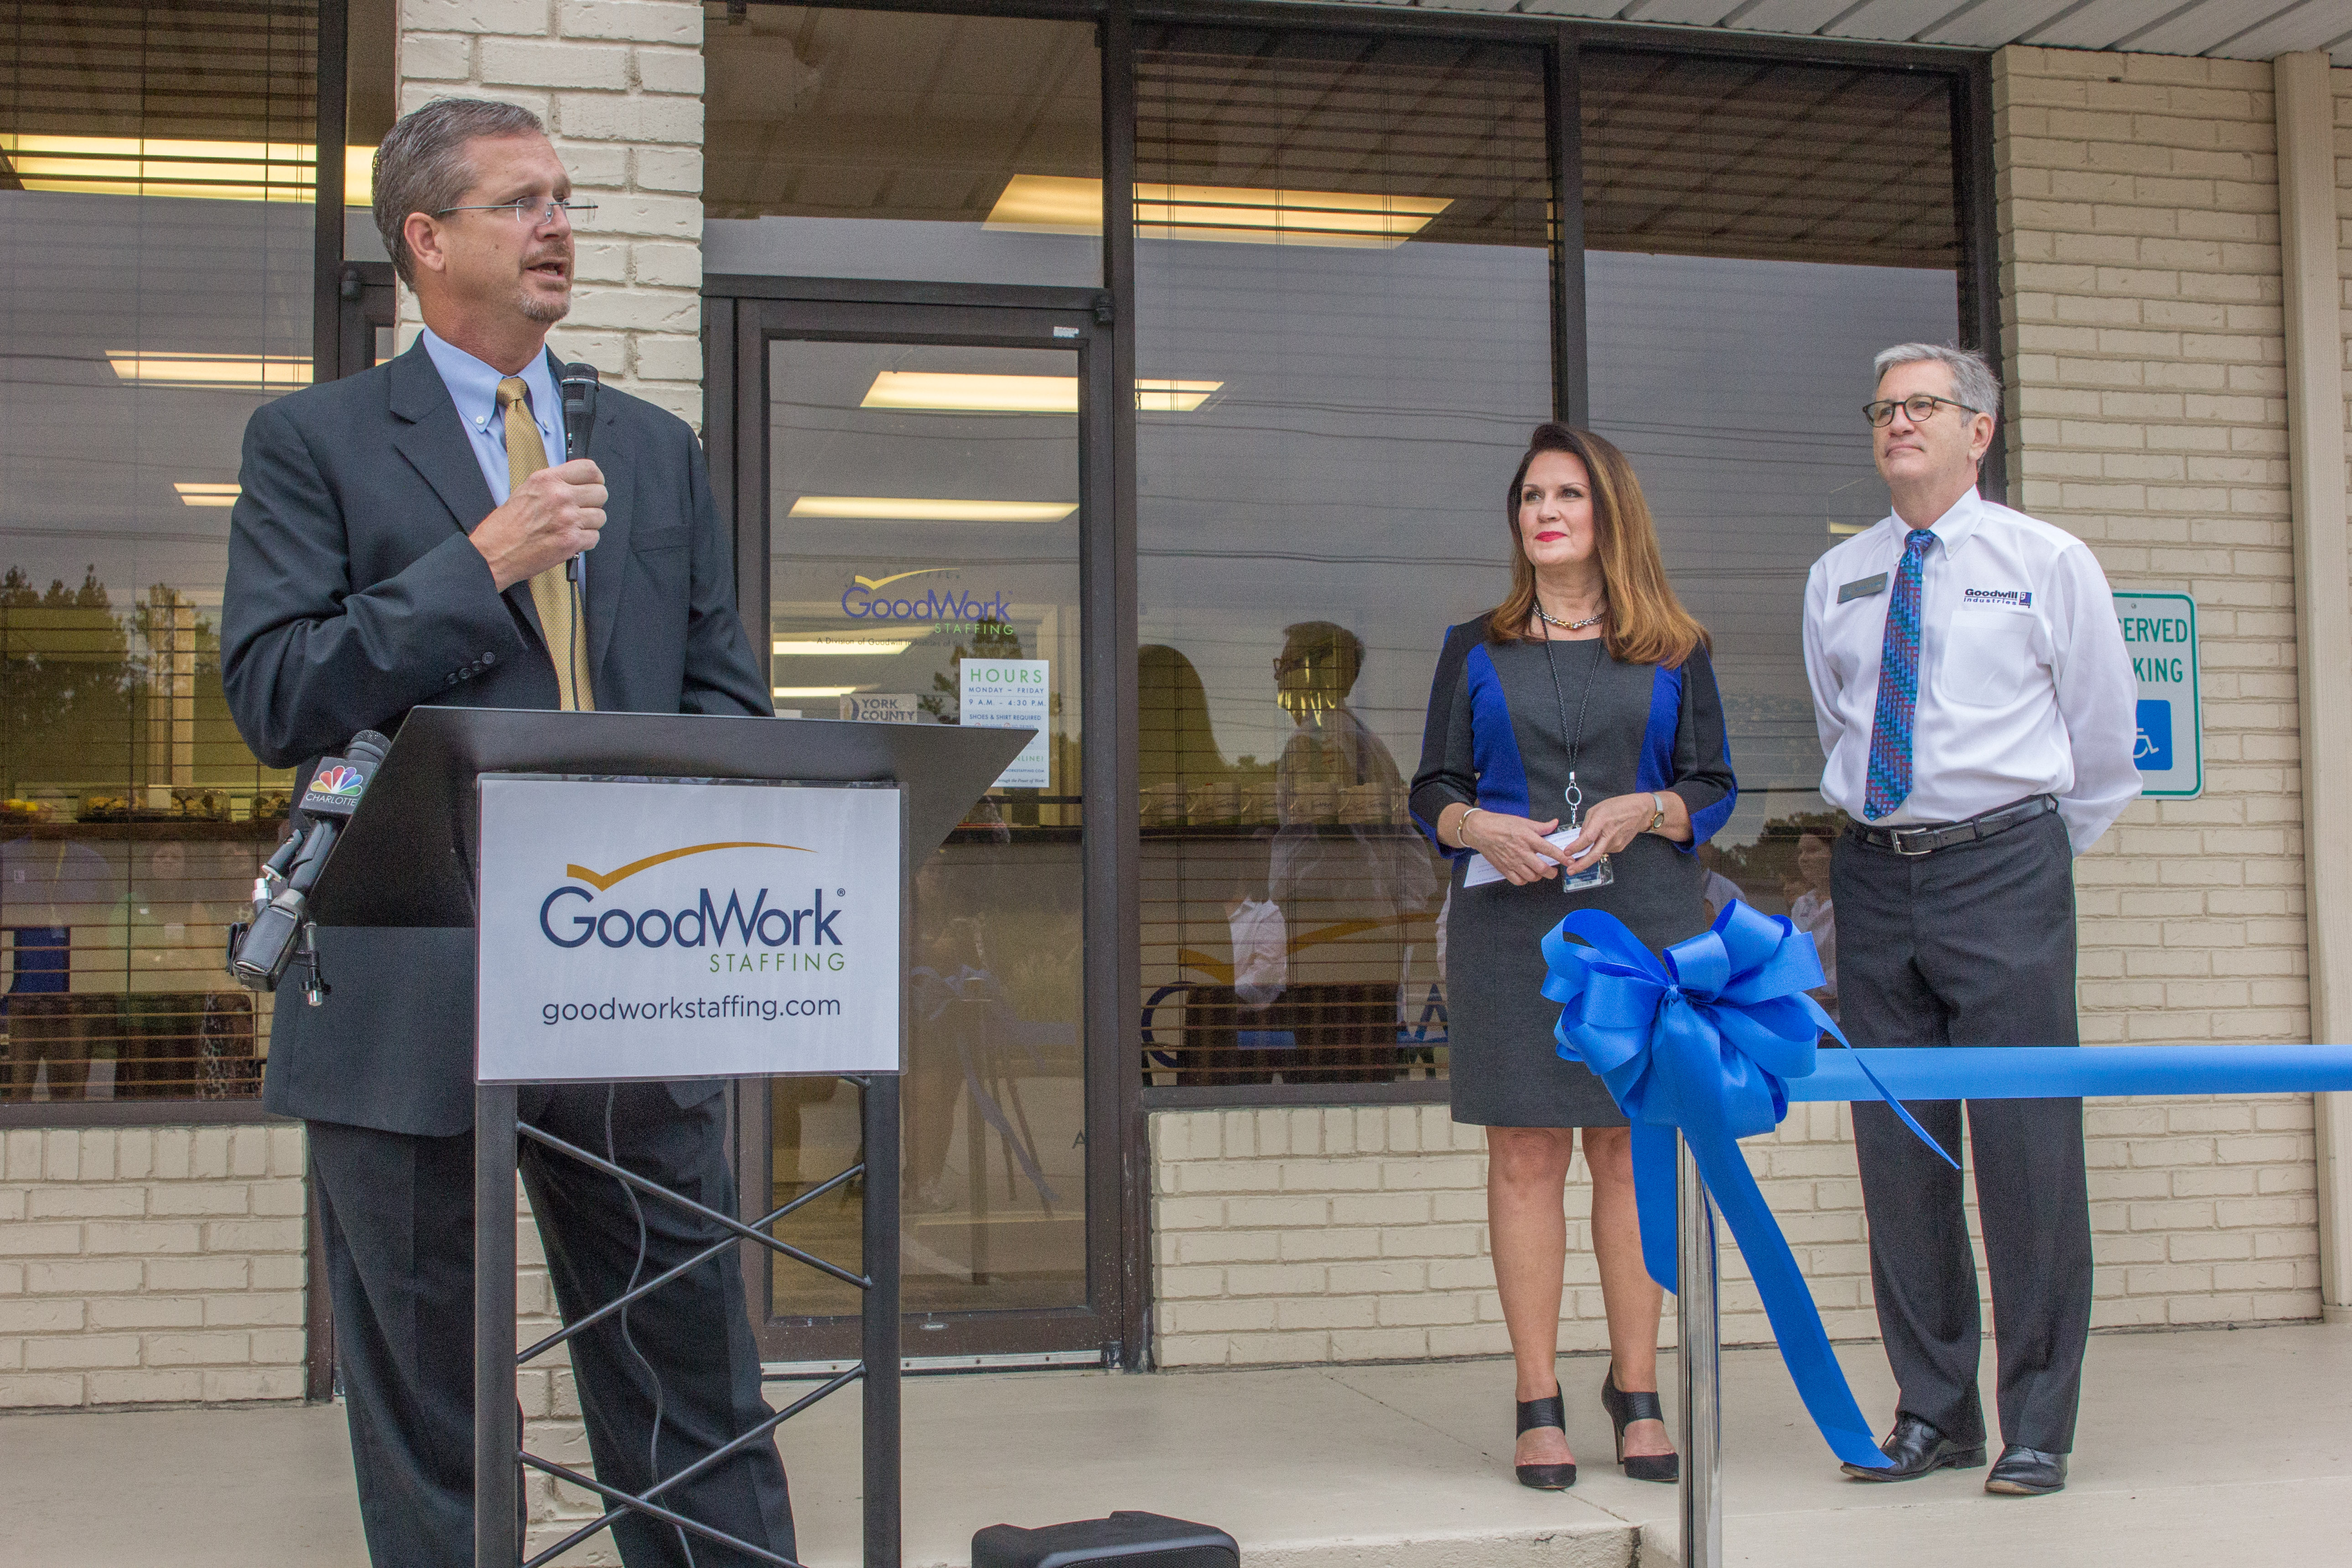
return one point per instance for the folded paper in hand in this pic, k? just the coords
(1482, 872)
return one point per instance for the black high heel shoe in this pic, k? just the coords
(1625, 1409)
(1545, 1411)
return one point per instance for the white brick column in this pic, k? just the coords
(2313, 279)
(2143, 321)
(619, 83)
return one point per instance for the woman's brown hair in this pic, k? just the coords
(1647, 624)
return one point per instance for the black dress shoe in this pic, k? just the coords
(1916, 1448)
(1545, 1412)
(2027, 1472)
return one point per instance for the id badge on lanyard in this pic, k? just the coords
(1599, 874)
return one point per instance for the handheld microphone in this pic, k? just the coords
(579, 388)
(260, 949)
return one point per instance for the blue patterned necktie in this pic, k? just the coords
(1898, 685)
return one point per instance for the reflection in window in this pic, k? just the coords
(881, 144)
(1754, 233)
(1686, 155)
(155, 261)
(1348, 237)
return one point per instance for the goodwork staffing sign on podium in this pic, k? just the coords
(662, 896)
(686, 929)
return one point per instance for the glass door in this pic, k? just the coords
(924, 491)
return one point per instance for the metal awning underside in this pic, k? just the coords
(2227, 29)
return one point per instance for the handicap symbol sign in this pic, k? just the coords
(2152, 749)
(2169, 737)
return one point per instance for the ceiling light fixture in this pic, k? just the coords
(157, 166)
(801, 648)
(965, 392)
(206, 494)
(241, 373)
(1058, 204)
(904, 508)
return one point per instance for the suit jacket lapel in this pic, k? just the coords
(608, 563)
(436, 445)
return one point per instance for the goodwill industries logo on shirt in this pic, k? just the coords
(2013, 598)
(710, 921)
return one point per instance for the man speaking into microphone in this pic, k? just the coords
(403, 536)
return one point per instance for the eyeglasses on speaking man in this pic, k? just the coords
(531, 212)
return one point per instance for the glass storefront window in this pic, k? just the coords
(926, 519)
(155, 280)
(1342, 248)
(1754, 233)
(891, 144)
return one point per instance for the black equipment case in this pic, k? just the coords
(1126, 1540)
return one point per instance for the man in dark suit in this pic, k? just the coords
(401, 539)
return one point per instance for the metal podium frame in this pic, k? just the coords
(417, 816)
(499, 1525)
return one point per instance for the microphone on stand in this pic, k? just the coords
(579, 388)
(281, 930)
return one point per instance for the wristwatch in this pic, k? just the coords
(1658, 817)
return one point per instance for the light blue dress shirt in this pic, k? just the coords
(474, 386)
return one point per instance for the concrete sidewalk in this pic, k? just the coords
(2197, 1447)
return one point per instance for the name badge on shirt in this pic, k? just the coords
(1863, 588)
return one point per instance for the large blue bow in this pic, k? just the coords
(1712, 1039)
(1706, 1041)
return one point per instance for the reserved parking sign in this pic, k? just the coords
(2160, 631)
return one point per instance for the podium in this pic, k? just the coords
(474, 812)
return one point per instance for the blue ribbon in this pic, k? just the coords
(1706, 1041)
(1717, 1038)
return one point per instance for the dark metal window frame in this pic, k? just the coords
(1117, 1099)
(743, 316)
(327, 331)
(1969, 74)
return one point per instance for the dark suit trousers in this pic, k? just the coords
(398, 1211)
(1972, 945)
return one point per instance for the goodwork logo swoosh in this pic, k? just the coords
(603, 880)
(872, 583)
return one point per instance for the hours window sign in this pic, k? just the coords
(2160, 633)
(1011, 694)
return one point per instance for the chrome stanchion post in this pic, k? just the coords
(1701, 1389)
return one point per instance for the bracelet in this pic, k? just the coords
(1462, 825)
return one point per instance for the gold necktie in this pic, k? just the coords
(551, 592)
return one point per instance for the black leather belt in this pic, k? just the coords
(1929, 838)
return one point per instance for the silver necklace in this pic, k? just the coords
(1592, 620)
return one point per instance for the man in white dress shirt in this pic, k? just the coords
(1976, 705)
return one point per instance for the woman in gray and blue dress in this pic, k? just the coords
(1574, 758)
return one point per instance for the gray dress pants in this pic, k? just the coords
(1973, 945)
(398, 1212)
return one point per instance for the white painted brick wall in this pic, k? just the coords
(620, 84)
(2342, 80)
(150, 1266)
(2138, 212)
